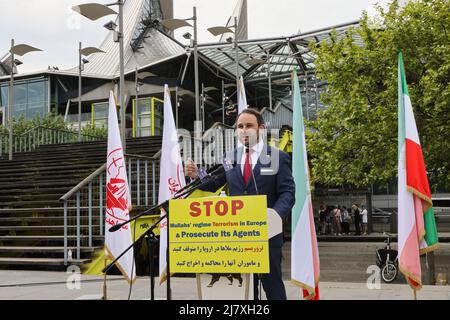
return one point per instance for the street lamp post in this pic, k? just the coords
(82, 52)
(20, 50)
(11, 103)
(270, 82)
(196, 62)
(94, 11)
(237, 51)
(173, 24)
(80, 68)
(219, 30)
(123, 107)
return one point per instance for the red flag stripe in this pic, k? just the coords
(307, 296)
(416, 176)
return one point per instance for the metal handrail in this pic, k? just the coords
(83, 183)
(58, 130)
(89, 197)
(99, 171)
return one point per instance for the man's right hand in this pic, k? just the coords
(190, 169)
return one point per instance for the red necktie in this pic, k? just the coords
(247, 168)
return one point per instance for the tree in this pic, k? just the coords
(354, 140)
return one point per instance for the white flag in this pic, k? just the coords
(171, 177)
(118, 201)
(242, 99)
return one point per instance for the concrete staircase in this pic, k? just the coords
(31, 214)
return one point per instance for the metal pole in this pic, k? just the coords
(176, 106)
(79, 92)
(122, 77)
(223, 102)
(431, 268)
(270, 82)
(136, 106)
(197, 103)
(78, 225)
(10, 100)
(317, 90)
(65, 232)
(306, 96)
(237, 53)
(203, 107)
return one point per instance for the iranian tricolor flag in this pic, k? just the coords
(305, 269)
(118, 200)
(417, 232)
(171, 176)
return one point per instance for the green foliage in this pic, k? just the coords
(96, 132)
(354, 140)
(50, 120)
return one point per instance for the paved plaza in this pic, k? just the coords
(39, 285)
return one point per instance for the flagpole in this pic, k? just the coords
(415, 294)
(105, 297)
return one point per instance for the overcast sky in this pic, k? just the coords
(51, 25)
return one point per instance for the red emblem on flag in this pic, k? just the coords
(116, 189)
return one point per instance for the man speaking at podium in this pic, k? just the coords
(260, 170)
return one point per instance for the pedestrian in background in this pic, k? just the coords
(357, 219)
(345, 221)
(329, 211)
(322, 220)
(364, 219)
(337, 221)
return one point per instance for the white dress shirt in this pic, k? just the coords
(255, 152)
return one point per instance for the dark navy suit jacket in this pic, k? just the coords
(276, 182)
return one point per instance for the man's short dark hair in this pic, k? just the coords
(254, 112)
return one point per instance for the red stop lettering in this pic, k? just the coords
(221, 208)
(208, 207)
(195, 209)
(235, 206)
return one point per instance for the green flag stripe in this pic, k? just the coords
(401, 107)
(431, 235)
(402, 74)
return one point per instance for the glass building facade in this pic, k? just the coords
(31, 97)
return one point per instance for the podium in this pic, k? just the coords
(234, 286)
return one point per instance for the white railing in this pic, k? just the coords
(37, 136)
(84, 205)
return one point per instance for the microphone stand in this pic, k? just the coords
(187, 190)
(151, 236)
(151, 239)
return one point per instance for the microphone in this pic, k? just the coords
(202, 175)
(116, 227)
(214, 173)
